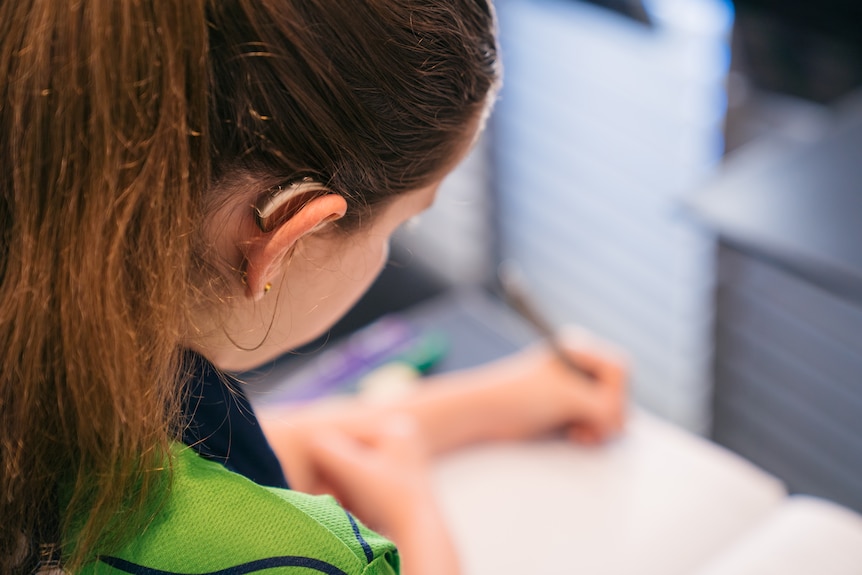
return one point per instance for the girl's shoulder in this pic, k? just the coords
(218, 521)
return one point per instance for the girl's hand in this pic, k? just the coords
(367, 458)
(546, 395)
(380, 473)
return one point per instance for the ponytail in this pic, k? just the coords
(103, 155)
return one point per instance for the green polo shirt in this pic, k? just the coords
(218, 522)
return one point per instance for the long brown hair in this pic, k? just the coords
(115, 117)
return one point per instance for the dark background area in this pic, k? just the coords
(811, 49)
(786, 55)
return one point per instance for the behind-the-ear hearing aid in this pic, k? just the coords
(275, 205)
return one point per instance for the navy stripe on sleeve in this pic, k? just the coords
(369, 554)
(241, 569)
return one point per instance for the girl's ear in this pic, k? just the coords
(266, 252)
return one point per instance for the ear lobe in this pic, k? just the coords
(266, 252)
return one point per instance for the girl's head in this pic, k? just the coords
(135, 138)
(369, 102)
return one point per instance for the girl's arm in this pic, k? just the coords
(521, 396)
(524, 395)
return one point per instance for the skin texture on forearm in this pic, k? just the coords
(473, 406)
(518, 397)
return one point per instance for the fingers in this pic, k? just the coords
(342, 466)
(336, 454)
(595, 356)
(604, 398)
(585, 435)
(377, 476)
(395, 439)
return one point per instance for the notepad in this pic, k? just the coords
(659, 500)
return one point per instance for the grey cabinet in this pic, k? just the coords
(788, 333)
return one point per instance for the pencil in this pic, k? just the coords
(516, 296)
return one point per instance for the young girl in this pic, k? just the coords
(223, 177)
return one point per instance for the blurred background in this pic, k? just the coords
(681, 177)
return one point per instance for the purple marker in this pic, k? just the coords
(362, 352)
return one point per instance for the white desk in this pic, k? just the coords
(658, 501)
